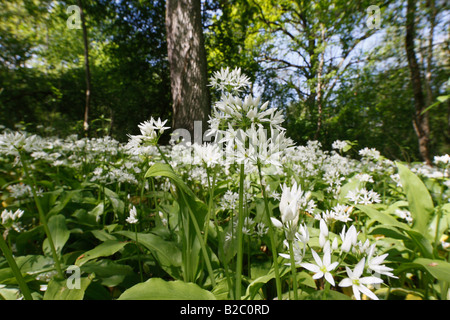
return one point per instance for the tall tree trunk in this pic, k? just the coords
(420, 121)
(87, 71)
(432, 13)
(320, 85)
(187, 61)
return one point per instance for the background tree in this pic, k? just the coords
(187, 61)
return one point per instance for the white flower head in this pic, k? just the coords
(229, 80)
(322, 268)
(132, 218)
(357, 283)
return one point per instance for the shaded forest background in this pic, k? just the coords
(335, 76)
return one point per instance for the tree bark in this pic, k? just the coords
(188, 66)
(320, 85)
(87, 71)
(432, 13)
(420, 121)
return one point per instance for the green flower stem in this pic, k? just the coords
(202, 244)
(293, 270)
(240, 253)
(326, 289)
(43, 220)
(15, 269)
(196, 227)
(211, 202)
(272, 237)
(139, 253)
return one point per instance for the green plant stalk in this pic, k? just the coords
(15, 269)
(202, 244)
(139, 253)
(240, 253)
(43, 220)
(293, 270)
(211, 203)
(326, 290)
(272, 238)
(196, 227)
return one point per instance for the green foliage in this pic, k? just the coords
(158, 289)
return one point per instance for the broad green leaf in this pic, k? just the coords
(421, 242)
(62, 203)
(256, 284)
(107, 271)
(103, 235)
(165, 252)
(116, 203)
(164, 170)
(437, 268)
(419, 199)
(59, 232)
(97, 211)
(105, 249)
(158, 289)
(382, 217)
(192, 220)
(9, 293)
(330, 295)
(59, 290)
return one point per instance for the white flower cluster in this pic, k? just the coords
(363, 196)
(227, 80)
(151, 130)
(293, 200)
(132, 219)
(333, 251)
(10, 219)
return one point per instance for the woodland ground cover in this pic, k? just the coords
(247, 215)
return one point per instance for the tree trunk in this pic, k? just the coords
(187, 61)
(429, 96)
(420, 121)
(87, 71)
(320, 85)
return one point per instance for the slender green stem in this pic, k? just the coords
(202, 245)
(139, 253)
(326, 290)
(272, 237)
(211, 203)
(240, 253)
(43, 219)
(293, 270)
(15, 269)
(196, 227)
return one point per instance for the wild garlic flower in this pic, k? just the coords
(8, 215)
(132, 218)
(11, 143)
(349, 238)
(10, 219)
(323, 267)
(363, 196)
(337, 213)
(229, 200)
(209, 154)
(227, 80)
(371, 153)
(151, 130)
(445, 159)
(357, 283)
(339, 145)
(375, 263)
